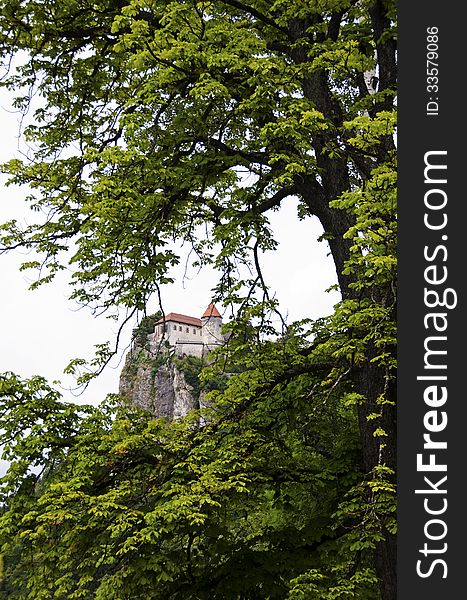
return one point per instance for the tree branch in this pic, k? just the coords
(258, 157)
(256, 13)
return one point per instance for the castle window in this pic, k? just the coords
(175, 327)
(188, 330)
(179, 327)
(194, 331)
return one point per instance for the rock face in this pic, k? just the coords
(155, 386)
(162, 381)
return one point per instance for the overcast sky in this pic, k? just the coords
(42, 330)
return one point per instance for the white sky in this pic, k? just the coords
(40, 331)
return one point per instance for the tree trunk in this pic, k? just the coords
(371, 381)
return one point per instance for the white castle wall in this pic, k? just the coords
(212, 335)
(189, 340)
(178, 332)
(194, 349)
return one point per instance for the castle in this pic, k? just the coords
(189, 336)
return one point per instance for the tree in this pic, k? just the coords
(151, 115)
(105, 503)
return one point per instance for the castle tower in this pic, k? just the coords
(211, 328)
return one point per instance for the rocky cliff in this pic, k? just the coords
(158, 386)
(166, 385)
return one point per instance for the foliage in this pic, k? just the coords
(135, 507)
(144, 329)
(191, 367)
(192, 121)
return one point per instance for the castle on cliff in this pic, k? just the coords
(189, 336)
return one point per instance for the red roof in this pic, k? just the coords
(181, 319)
(211, 311)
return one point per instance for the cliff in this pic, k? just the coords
(158, 386)
(161, 390)
(160, 382)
